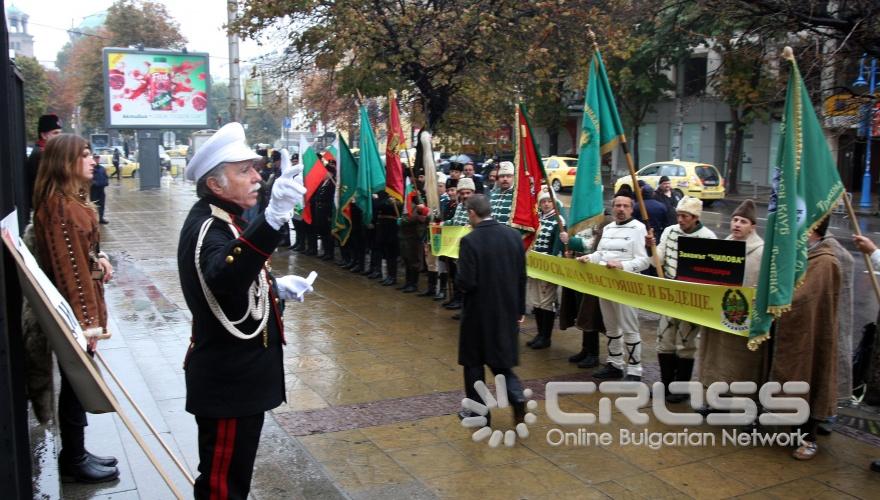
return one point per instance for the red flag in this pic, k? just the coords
(396, 143)
(313, 174)
(528, 177)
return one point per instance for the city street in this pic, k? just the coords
(373, 387)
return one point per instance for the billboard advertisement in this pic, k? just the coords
(155, 89)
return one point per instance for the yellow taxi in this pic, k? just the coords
(561, 171)
(178, 151)
(688, 178)
(129, 168)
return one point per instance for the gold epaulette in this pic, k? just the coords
(221, 214)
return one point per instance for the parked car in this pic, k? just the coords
(700, 180)
(561, 171)
(129, 168)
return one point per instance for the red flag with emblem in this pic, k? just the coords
(528, 176)
(396, 143)
(314, 173)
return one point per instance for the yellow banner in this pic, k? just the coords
(444, 240)
(723, 308)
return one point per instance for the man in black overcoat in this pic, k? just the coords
(492, 276)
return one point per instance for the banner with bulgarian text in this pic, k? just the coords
(723, 308)
(445, 239)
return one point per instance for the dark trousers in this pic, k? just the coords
(327, 241)
(474, 373)
(227, 450)
(71, 421)
(100, 198)
(299, 229)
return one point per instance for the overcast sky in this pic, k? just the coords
(201, 22)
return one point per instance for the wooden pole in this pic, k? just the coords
(858, 231)
(632, 172)
(152, 429)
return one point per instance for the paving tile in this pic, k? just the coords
(472, 484)
(425, 462)
(357, 472)
(401, 436)
(796, 490)
(337, 445)
(765, 467)
(699, 480)
(412, 490)
(592, 465)
(301, 399)
(638, 486)
(856, 481)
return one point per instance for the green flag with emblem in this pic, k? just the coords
(371, 172)
(601, 131)
(346, 188)
(806, 187)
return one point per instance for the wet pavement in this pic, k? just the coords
(373, 387)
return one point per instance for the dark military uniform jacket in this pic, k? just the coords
(227, 376)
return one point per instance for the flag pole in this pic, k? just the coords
(858, 231)
(559, 220)
(392, 96)
(632, 172)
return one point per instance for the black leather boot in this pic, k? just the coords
(590, 345)
(432, 285)
(545, 329)
(455, 303)
(538, 314)
(83, 469)
(668, 363)
(684, 368)
(412, 282)
(105, 461)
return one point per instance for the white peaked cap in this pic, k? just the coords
(227, 145)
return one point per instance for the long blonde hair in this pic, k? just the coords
(59, 169)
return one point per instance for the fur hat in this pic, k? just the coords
(746, 210)
(543, 196)
(505, 168)
(456, 166)
(48, 123)
(690, 205)
(466, 183)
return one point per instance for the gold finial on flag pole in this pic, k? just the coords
(787, 53)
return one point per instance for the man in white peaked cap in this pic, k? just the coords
(234, 371)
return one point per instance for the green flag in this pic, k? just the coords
(601, 131)
(806, 186)
(371, 172)
(346, 188)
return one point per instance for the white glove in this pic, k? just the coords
(287, 191)
(292, 287)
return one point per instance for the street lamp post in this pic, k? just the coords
(865, 201)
